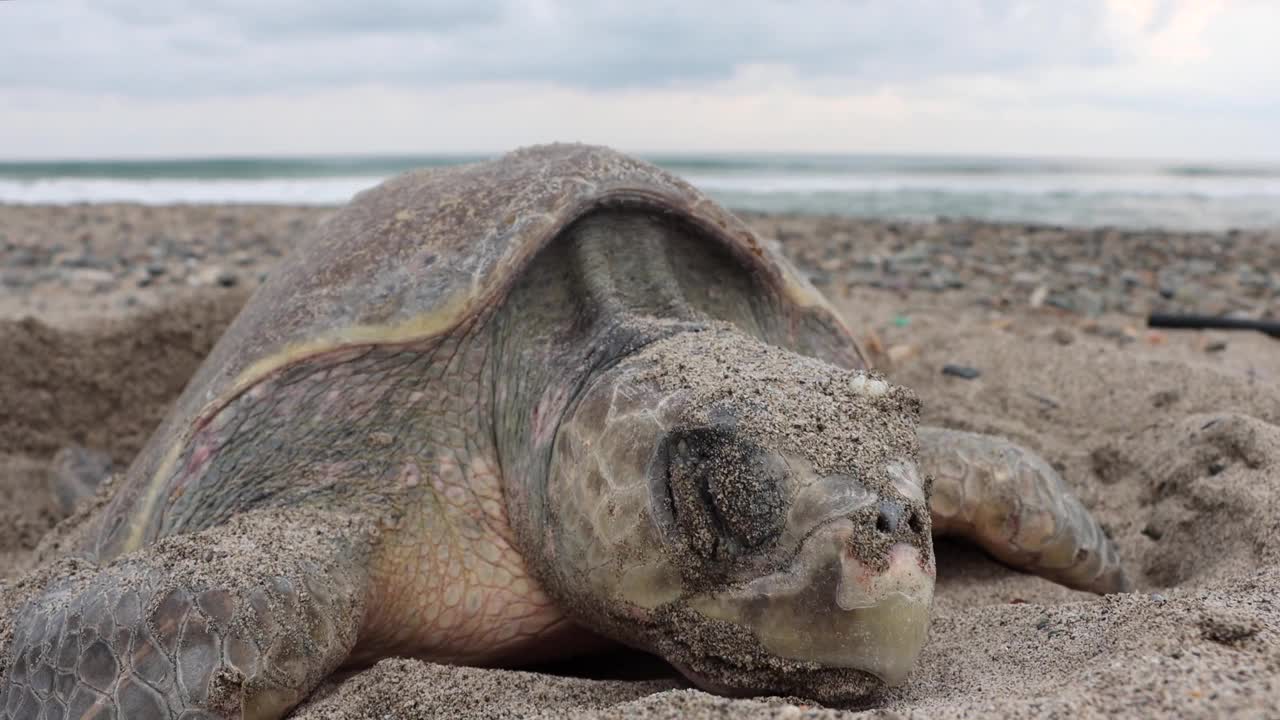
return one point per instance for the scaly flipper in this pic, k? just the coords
(1010, 502)
(242, 620)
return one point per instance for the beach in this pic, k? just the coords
(1171, 438)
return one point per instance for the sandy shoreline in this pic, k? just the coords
(1171, 438)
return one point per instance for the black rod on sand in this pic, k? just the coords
(1209, 322)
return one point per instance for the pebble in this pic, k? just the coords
(84, 261)
(961, 371)
(89, 280)
(23, 258)
(995, 266)
(215, 275)
(1064, 336)
(1026, 279)
(1133, 272)
(897, 354)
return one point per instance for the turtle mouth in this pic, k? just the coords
(834, 610)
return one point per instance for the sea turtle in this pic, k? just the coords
(493, 413)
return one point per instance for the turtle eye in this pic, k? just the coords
(727, 495)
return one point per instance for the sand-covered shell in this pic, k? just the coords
(428, 250)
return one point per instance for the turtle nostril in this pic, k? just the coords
(889, 517)
(916, 525)
(882, 523)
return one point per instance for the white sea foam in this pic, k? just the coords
(300, 191)
(1081, 194)
(1024, 183)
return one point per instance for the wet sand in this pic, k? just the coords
(1172, 439)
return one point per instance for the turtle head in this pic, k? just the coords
(753, 516)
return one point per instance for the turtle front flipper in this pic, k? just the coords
(242, 620)
(1010, 502)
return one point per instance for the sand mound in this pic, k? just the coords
(106, 386)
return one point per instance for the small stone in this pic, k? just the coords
(12, 279)
(898, 354)
(1085, 270)
(944, 279)
(1023, 278)
(1216, 346)
(215, 275)
(1038, 296)
(961, 371)
(23, 257)
(913, 256)
(84, 261)
(89, 280)
(1200, 266)
(1159, 599)
(1064, 336)
(1189, 294)
(1081, 301)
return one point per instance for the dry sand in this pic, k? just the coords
(1172, 439)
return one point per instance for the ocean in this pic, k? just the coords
(1088, 193)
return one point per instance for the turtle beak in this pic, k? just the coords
(834, 609)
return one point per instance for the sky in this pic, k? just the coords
(1189, 79)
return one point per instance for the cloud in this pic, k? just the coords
(197, 48)
(1166, 78)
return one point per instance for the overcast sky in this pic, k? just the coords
(1195, 79)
